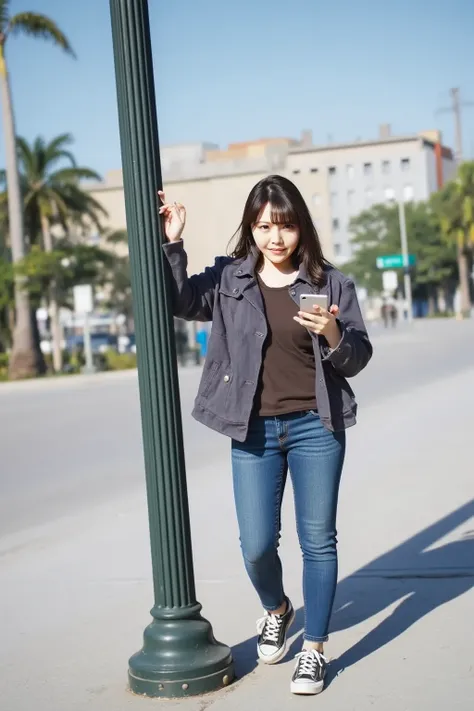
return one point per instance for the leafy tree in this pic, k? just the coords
(376, 232)
(26, 358)
(118, 280)
(454, 206)
(66, 266)
(53, 195)
(7, 300)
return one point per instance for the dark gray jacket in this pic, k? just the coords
(228, 295)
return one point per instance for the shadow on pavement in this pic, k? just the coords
(402, 576)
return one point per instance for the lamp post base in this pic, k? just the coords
(179, 658)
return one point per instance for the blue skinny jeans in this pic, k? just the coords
(314, 456)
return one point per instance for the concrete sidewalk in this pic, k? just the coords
(76, 593)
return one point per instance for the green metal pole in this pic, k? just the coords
(180, 656)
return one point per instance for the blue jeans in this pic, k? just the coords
(314, 456)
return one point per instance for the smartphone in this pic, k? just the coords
(307, 301)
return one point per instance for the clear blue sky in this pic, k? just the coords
(231, 70)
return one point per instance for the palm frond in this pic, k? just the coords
(117, 237)
(73, 175)
(40, 26)
(27, 155)
(56, 149)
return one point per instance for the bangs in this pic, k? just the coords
(282, 212)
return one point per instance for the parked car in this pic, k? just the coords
(100, 342)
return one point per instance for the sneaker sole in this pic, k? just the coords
(307, 689)
(278, 656)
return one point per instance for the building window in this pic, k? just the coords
(405, 164)
(367, 169)
(350, 198)
(314, 170)
(369, 196)
(316, 199)
(337, 249)
(332, 170)
(389, 194)
(335, 224)
(408, 193)
(334, 200)
(350, 172)
(386, 167)
(297, 172)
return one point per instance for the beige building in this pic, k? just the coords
(337, 181)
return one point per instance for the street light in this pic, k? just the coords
(180, 656)
(406, 258)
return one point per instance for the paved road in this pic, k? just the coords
(72, 444)
(75, 585)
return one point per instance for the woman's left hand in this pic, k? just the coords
(322, 322)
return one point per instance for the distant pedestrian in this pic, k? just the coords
(393, 315)
(274, 381)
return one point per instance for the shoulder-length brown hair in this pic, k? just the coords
(287, 207)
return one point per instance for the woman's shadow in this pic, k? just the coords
(420, 580)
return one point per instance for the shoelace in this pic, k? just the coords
(309, 660)
(269, 627)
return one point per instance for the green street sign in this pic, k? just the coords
(394, 261)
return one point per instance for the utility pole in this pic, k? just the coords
(406, 259)
(180, 655)
(456, 108)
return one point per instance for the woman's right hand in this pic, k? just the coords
(174, 215)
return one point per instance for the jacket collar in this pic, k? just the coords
(246, 268)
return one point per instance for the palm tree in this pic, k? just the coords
(26, 359)
(455, 207)
(52, 195)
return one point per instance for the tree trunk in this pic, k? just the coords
(56, 335)
(26, 359)
(463, 266)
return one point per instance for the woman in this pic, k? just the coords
(275, 382)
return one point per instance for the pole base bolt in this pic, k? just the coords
(185, 687)
(226, 680)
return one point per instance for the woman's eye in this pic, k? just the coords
(289, 226)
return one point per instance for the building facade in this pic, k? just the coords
(338, 181)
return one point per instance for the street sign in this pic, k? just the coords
(83, 299)
(390, 281)
(394, 261)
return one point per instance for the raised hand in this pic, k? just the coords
(174, 218)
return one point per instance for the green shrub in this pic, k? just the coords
(3, 366)
(120, 361)
(441, 314)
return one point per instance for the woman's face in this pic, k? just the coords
(276, 242)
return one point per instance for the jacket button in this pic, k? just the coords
(293, 292)
(235, 291)
(226, 378)
(259, 334)
(239, 272)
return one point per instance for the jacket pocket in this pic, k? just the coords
(208, 377)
